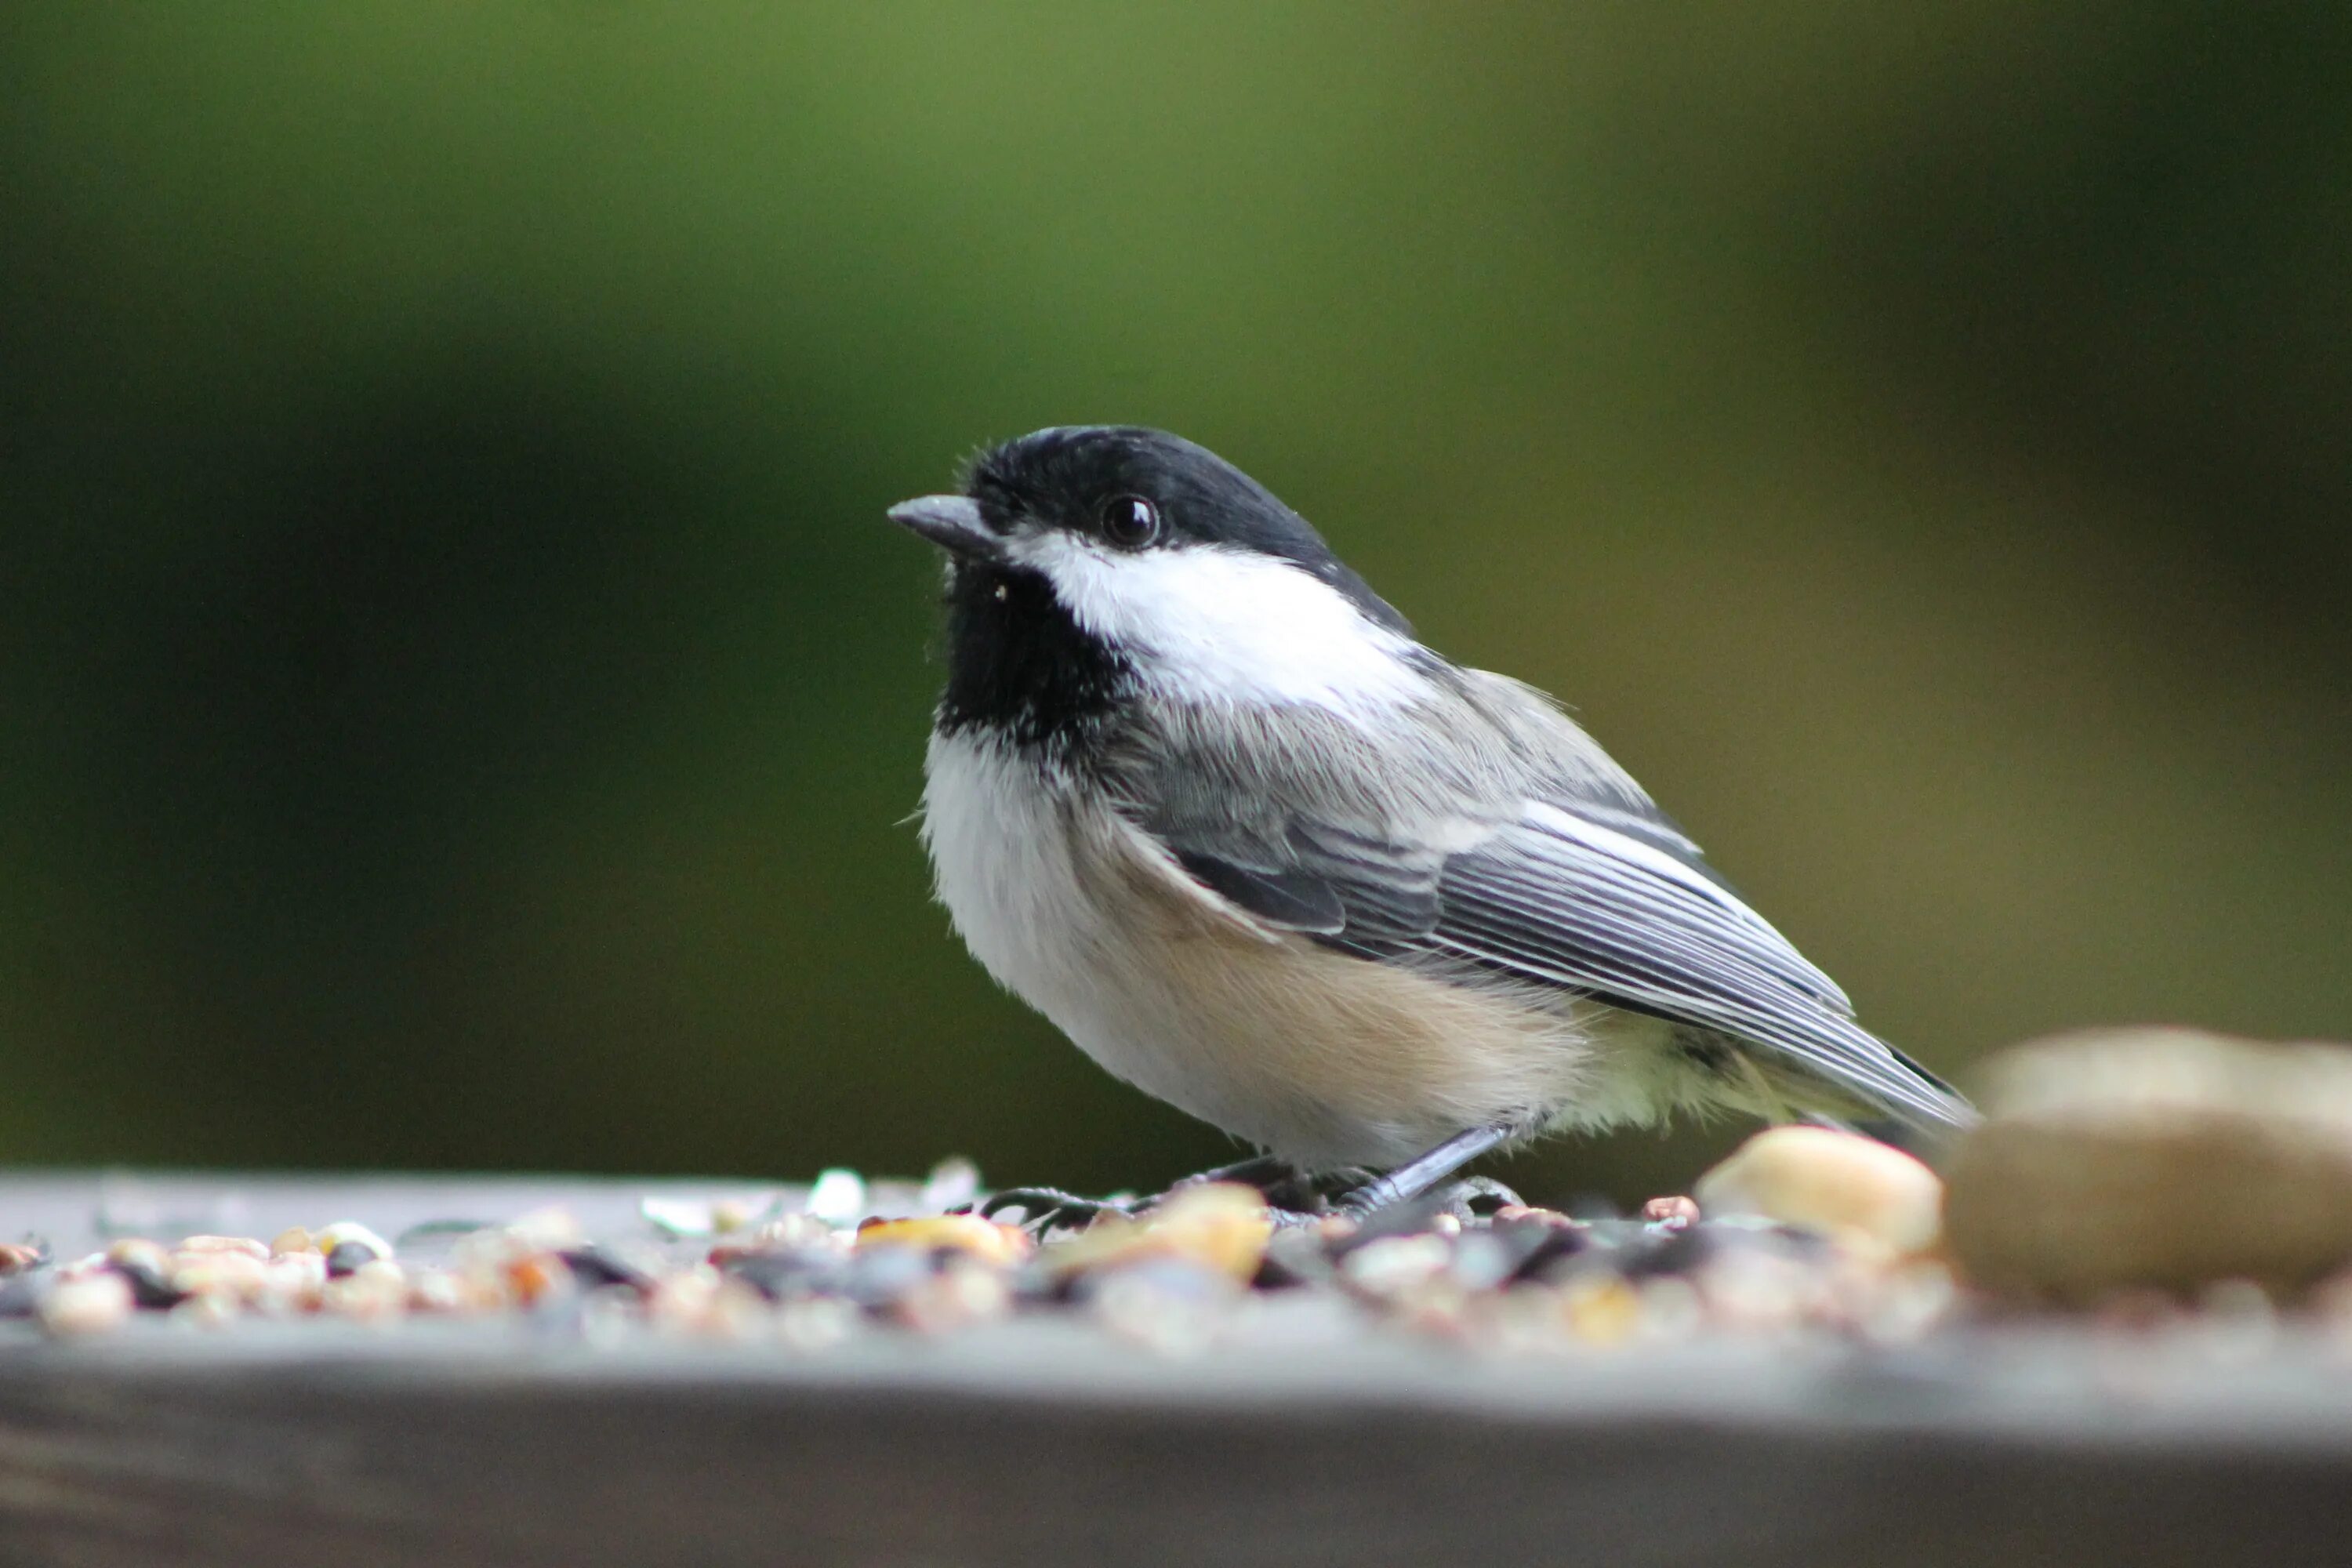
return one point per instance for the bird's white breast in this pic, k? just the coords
(999, 836)
(1325, 1059)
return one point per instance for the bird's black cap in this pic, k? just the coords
(1065, 476)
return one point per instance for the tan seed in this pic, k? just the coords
(90, 1305)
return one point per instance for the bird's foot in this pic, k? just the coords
(1050, 1208)
(1287, 1191)
(1291, 1198)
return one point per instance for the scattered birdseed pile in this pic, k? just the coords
(842, 1258)
(2153, 1177)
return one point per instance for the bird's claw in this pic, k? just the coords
(1291, 1198)
(1046, 1208)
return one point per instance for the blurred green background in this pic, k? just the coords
(459, 701)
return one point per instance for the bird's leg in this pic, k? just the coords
(1420, 1174)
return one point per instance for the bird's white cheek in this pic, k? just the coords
(1212, 625)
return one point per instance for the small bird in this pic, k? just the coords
(1197, 793)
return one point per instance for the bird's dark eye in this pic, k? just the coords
(1130, 521)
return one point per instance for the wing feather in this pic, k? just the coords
(1560, 909)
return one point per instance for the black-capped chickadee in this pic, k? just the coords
(1197, 795)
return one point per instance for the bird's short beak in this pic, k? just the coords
(951, 522)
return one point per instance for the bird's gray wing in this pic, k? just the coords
(1563, 896)
(1492, 831)
(1559, 897)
